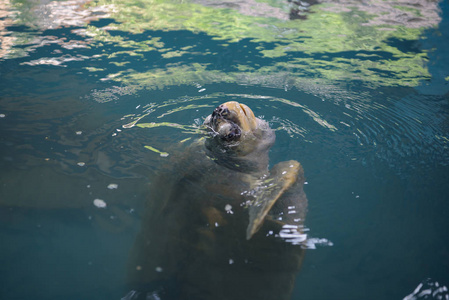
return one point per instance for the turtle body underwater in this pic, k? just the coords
(221, 225)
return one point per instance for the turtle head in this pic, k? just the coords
(230, 121)
(233, 128)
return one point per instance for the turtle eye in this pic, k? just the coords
(220, 111)
(224, 111)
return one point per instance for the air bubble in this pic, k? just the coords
(100, 203)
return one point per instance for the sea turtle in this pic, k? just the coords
(219, 224)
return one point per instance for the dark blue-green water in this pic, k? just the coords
(357, 92)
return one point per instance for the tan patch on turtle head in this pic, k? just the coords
(244, 114)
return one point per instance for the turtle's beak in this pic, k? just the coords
(229, 131)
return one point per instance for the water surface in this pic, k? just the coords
(93, 95)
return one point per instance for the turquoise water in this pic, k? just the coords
(357, 93)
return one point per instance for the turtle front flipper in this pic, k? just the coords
(282, 178)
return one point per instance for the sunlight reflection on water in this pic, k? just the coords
(96, 94)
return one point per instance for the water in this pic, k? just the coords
(357, 92)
